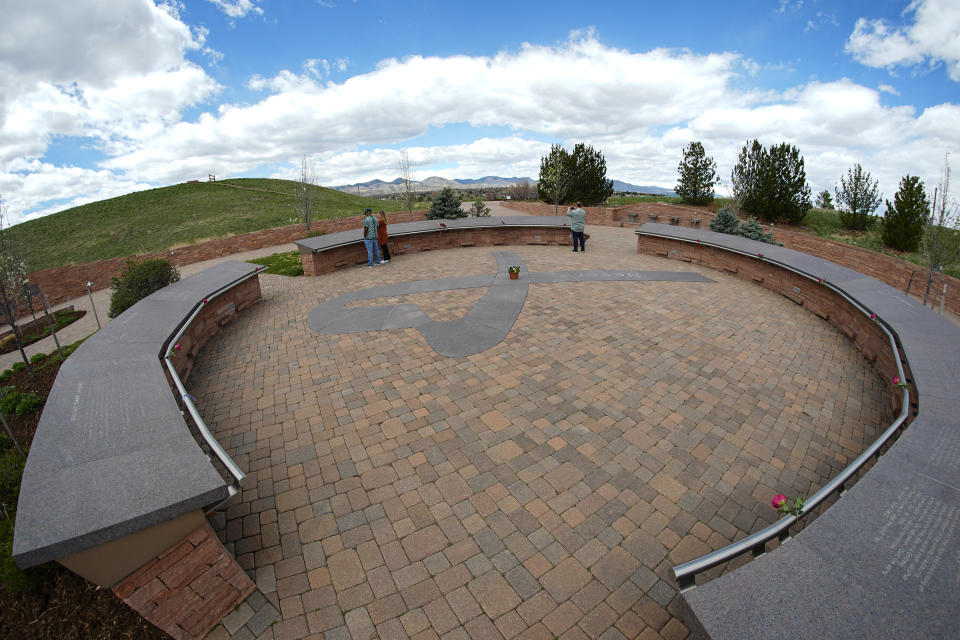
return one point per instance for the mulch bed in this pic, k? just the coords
(35, 331)
(66, 606)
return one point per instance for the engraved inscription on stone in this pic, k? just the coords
(945, 451)
(917, 531)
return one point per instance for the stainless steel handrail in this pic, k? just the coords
(686, 573)
(222, 455)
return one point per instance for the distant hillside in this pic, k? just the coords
(168, 217)
(433, 183)
(619, 186)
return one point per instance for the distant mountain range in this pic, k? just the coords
(656, 191)
(433, 183)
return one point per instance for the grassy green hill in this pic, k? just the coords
(169, 217)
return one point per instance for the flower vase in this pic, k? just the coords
(514, 275)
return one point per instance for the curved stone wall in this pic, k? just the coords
(876, 563)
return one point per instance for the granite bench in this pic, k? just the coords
(326, 253)
(115, 478)
(881, 561)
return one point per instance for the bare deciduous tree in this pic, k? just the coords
(306, 190)
(409, 197)
(13, 279)
(941, 236)
(522, 190)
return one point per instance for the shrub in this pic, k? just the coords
(29, 403)
(751, 229)
(725, 222)
(139, 281)
(18, 367)
(479, 209)
(6, 375)
(37, 357)
(9, 397)
(13, 402)
(12, 578)
(11, 469)
(9, 343)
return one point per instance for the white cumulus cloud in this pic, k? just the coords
(109, 72)
(237, 8)
(933, 36)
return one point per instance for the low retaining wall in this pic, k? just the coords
(115, 485)
(875, 563)
(327, 253)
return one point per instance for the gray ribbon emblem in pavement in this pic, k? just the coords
(484, 326)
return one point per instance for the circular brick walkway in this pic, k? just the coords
(542, 488)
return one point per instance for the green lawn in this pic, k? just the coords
(826, 224)
(168, 217)
(619, 201)
(286, 263)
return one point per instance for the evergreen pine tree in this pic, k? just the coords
(555, 177)
(446, 206)
(588, 183)
(478, 209)
(824, 200)
(904, 220)
(857, 198)
(698, 175)
(788, 192)
(749, 177)
(771, 184)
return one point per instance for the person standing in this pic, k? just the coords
(382, 238)
(578, 222)
(370, 238)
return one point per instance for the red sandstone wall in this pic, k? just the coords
(217, 313)
(891, 271)
(188, 588)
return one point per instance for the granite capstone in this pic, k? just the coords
(112, 454)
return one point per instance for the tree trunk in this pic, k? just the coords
(23, 354)
(926, 294)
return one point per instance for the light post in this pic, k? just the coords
(90, 293)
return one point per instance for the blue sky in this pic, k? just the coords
(100, 98)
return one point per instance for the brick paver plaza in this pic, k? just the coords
(542, 488)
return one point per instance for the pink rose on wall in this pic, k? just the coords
(784, 505)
